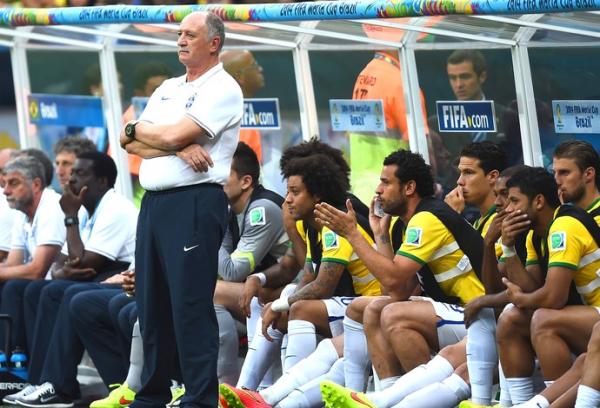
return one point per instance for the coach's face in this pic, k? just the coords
(193, 41)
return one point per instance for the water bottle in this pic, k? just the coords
(3, 362)
(18, 363)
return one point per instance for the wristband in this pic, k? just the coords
(261, 277)
(508, 251)
(280, 305)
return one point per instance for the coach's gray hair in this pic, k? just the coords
(28, 167)
(215, 28)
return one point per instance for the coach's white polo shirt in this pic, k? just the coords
(215, 102)
(7, 217)
(110, 231)
(46, 228)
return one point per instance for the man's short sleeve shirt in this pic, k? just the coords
(214, 102)
(570, 245)
(110, 231)
(337, 249)
(7, 217)
(46, 228)
(428, 241)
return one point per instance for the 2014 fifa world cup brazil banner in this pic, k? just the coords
(319, 10)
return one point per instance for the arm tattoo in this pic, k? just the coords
(323, 286)
(384, 238)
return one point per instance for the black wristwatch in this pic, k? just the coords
(71, 221)
(130, 129)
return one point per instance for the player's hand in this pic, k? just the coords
(494, 232)
(513, 224)
(379, 225)
(289, 223)
(472, 309)
(342, 223)
(455, 199)
(269, 318)
(251, 290)
(196, 157)
(513, 292)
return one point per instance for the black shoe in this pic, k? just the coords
(45, 396)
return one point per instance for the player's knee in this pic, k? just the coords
(542, 321)
(394, 318)
(356, 310)
(453, 352)
(301, 310)
(372, 314)
(509, 320)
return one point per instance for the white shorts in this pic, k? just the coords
(336, 310)
(451, 327)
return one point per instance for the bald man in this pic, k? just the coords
(242, 66)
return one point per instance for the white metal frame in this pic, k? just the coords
(105, 38)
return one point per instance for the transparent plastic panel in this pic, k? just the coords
(464, 76)
(566, 75)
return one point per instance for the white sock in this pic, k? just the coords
(136, 360)
(356, 355)
(537, 401)
(376, 381)
(309, 394)
(284, 344)
(521, 389)
(255, 313)
(505, 400)
(227, 361)
(261, 355)
(445, 394)
(482, 356)
(302, 341)
(587, 397)
(386, 383)
(434, 371)
(315, 365)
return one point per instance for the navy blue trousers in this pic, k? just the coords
(179, 233)
(13, 294)
(108, 349)
(64, 348)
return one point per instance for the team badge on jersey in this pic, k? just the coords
(558, 241)
(330, 240)
(190, 101)
(257, 216)
(413, 236)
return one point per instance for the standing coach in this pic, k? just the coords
(187, 136)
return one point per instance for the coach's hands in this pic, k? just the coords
(196, 157)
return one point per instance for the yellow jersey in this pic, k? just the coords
(570, 245)
(337, 249)
(429, 242)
